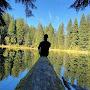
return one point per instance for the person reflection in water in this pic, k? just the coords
(44, 47)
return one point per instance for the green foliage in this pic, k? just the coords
(88, 29)
(20, 28)
(60, 36)
(32, 34)
(83, 33)
(11, 32)
(19, 33)
(11, 28)
(4, 29)
(50, 31)
(78, 36)
(75, 35)
(69, 34)
(38, 37)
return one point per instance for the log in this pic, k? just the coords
(41, 77)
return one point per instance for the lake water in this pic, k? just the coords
(14, 65)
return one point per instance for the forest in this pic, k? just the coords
(17, 32)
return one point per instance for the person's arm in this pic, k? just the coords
(49, 44)
(39, 46)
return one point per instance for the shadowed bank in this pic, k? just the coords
(41, 77)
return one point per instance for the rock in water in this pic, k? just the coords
(41, 77)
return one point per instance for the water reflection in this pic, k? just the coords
(10, 82)
(77, 69)
(15, 65)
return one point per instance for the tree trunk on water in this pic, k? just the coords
(41, 77)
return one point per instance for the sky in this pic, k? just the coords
(48, 11)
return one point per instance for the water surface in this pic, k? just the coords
(14, 65)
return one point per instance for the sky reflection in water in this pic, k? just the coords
(10, 82)
(15, 65)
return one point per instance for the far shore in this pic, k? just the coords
(23, 47)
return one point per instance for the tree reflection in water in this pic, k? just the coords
(77, 67)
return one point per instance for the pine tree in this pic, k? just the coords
(69, 34)
(75, 35)
(50, 31)
(4, 29)
(20, 31)
(38, 37)
(60, 36)
(83, 33)
(11, 32)
(88, 27)
(29, 35)
(32, 34)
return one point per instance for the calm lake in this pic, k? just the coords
(14, 65)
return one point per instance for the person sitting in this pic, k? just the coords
(44, 46)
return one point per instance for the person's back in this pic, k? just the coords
(44, 47)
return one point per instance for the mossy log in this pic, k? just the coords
(41, 77)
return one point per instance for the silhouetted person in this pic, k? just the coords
(44, 46)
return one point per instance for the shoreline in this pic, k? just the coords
(23, 47)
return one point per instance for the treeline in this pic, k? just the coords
(76, 35)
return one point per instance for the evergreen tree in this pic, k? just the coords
(50, 31)
(83, 33)
(32, 34)
(38, 37)
(88, 27)
(60, 36)
(29, 35)
(75, 35)
(11, 33)
(69, 34)
(11, 28)
(55, 40)
(4, 29)
(20, 31)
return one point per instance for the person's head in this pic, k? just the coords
(45, 37)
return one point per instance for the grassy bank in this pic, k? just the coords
(22, 47)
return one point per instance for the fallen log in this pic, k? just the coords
(41, 77)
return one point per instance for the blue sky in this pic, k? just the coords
(48, 11)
